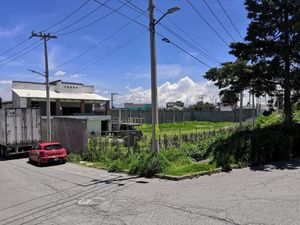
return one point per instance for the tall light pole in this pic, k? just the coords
(45, 37)
(152, 23)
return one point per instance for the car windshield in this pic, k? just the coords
(53, 147)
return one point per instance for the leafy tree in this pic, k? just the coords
(231, 78)
(272, 45)
(203, 106)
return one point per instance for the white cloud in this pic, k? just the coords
(60, 73)
(185, 90)
(5, 89)
(10, 32)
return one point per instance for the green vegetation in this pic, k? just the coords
(185, 127)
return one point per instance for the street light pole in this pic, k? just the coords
(155, 128)
(152, 23)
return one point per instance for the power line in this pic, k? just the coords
(182, 49)
(54, 25)
(80, 19)
(214, 30)
(24, 41)
(16, 53)
(122, 14)
(67, 17)
(12, 48)
(232, 23)
(97, 44)
(111, 52)
(25, 53)
(95, 21)
(201, 49)
(222, 25)
(137, 9)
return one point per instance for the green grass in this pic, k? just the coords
(185, 127)
(186, 169)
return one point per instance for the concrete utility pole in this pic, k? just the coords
(112, 99)
(45, 38)
(241, 108)
(152, 23)
(253, 111)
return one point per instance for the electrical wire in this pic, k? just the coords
(68, 16)
(54, 25)
(203, 18)
(137, 9)
(16, 53)
(182, 49)
(96, 45)
(25, 53)
(111, 52)
(219, 21)
(95, 21)
(232, 23)
(122, 14)
(201, 49)
(80, 19)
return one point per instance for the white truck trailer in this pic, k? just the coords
(20, 130)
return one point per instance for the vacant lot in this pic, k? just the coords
(185, 127)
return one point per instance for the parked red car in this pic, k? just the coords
(48, 152)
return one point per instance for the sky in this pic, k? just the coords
(98, 46)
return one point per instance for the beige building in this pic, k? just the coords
(66, 98)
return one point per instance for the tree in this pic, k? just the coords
(272, 45)
(231, 78)
(203, 106)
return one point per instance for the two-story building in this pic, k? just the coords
(66, 98)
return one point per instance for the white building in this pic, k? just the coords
(66, 98)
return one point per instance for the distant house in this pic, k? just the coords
(66, 98)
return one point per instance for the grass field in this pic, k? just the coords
(185, 127)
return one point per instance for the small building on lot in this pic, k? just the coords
(66, 98)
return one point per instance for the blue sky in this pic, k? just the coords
(127, 69)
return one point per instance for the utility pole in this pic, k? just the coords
(152, 23)
(241, 108)
(112, 99)
(155, 128)
(253, 111)
(45, 37)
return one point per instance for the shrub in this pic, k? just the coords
(148, 164)
(73, 157)
(116, 166)
(258, 146)
(264, 121)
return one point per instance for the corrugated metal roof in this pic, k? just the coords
(25, 93)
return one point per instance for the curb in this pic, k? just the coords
(189, 176)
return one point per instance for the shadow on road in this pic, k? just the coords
(289, 165)
(13, 157)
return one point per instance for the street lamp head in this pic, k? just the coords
(172, 10)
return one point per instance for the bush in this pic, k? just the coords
(258, 146)
(76, 158)
(264, 121)
(116, 166)
(148, 164)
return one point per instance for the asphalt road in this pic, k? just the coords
(71, 194)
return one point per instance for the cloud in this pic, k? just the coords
(164, 71)
(76, 76)
(60, 73)
(5, 89)
(10, 32)
(185, 90)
